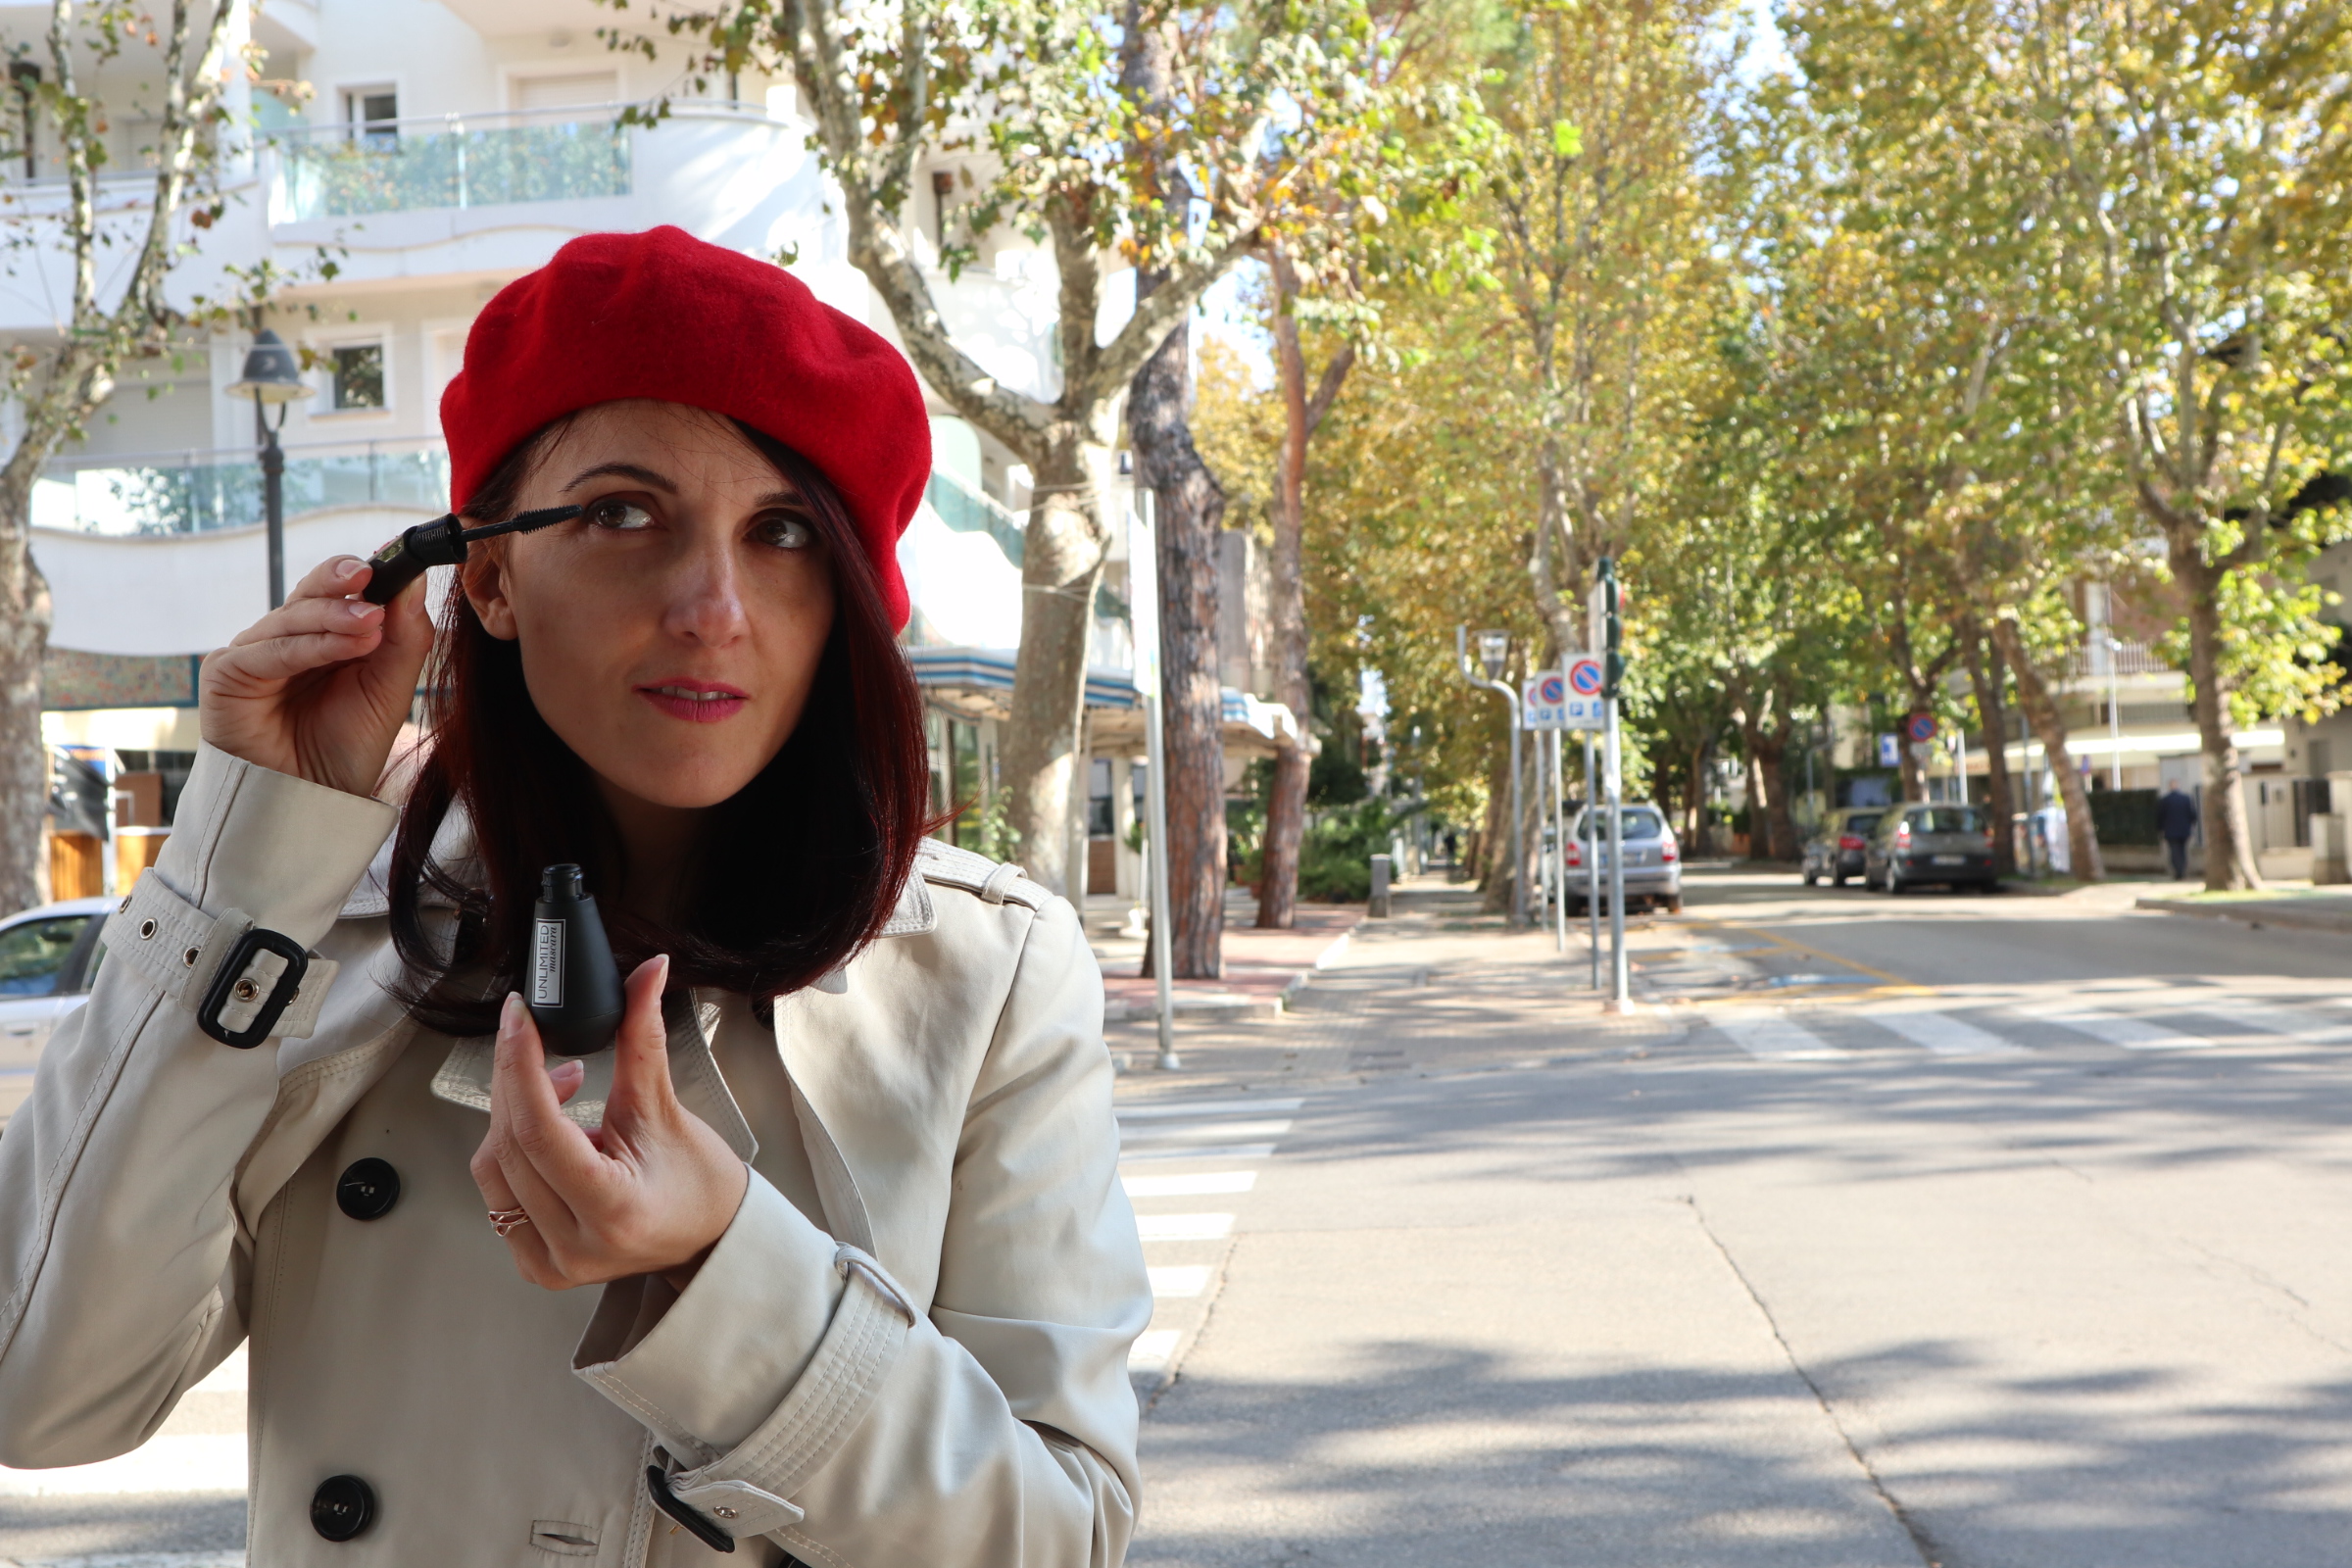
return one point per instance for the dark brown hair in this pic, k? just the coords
(794, 873)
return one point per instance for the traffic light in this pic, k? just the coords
(1605, 625)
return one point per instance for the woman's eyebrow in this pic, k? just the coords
(624, 471)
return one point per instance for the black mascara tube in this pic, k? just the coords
(441, 542)
(575, 992)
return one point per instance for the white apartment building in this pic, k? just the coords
(433, 151)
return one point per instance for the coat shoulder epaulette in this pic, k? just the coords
(994, 882)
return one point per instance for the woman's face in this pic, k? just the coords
(670, 633)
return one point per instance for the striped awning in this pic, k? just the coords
(983, 676)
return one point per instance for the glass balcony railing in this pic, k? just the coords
(195, 492)
(968, 510)
(462, 160)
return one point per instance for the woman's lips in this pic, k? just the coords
(697, 702)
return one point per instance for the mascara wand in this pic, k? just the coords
(442, 542)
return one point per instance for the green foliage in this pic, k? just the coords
(1334, 863)
(2124, 817)
(1333, 779)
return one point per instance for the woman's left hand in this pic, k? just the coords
(647, 1193)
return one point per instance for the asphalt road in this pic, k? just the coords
(1972, 1231)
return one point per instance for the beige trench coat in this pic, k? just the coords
(908, 1350)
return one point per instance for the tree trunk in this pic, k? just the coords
(25, 616)
(1061, 567)
(1988, 675)
(1494, 846)
(1702, 837)
(1190, 506)
(1785, 845)
(2229, 863)
(2041, 712)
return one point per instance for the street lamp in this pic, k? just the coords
(1493, 652)
(271, 376)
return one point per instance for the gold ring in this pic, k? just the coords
(506, 1220)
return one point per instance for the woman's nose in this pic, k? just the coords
(705, 596)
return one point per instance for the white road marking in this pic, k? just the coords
(1770, 1036)
(1152, 1350)
(2116, 1029)
(1944, 1035)
(1180, 1281)
(1209, 1131)
(2265, 1018)
(1205, 1183)
(1181, 1228)
(1209, 1108)
(1186, 1152)
(210, 1463)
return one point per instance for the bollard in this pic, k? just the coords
(1380, 886)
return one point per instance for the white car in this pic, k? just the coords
(46, 959)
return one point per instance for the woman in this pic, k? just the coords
(845, 1185)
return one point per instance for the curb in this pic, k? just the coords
(2255, 914)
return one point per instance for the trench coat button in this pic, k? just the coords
(367, 1189)
(342, 1507)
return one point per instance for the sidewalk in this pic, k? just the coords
(2295, 908)
(1263, 969)
(1483, 997)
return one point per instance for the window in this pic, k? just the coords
(359, 378)
(1947, 819)
(1641, 822)
(1099, 823)
(33, 954)
(374, 115)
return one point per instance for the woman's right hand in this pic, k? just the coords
(319, 686)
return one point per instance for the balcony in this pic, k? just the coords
(456, 163)
(200, 492)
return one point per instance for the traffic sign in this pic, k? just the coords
(1584, 682)
(1920, 727)
(1890, 750)
(1544, 701)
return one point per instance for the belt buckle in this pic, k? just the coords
(274, 1005)
(701, 1529)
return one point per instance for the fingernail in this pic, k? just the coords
(361, 610)
(509, 1018)
(348, 570)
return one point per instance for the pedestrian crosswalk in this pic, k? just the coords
(1215, 1144)
(2150, 1021)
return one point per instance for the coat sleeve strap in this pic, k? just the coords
(181, 950)
(744, 1490)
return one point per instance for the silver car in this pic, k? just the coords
(1653, 860)
(46, 959)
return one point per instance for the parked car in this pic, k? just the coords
(1654, 860)
(45, 964)
(1837, 849)
(1915, 844)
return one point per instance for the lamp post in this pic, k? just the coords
(271, 378)
(1494, 652)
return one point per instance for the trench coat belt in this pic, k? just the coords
(181, 950)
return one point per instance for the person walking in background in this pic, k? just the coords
(2177, 820)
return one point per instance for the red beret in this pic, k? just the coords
(661, 314)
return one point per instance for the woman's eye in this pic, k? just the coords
(620, 515)
(786, 532)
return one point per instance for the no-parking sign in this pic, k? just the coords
(1919, 727)
(1565, 698)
